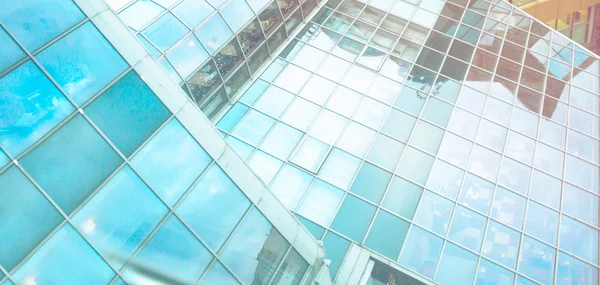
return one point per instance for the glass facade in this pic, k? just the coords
(458, 139)
(100, 183)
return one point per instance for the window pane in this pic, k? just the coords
(386, 152)
(467, 228)
(353, 218)
(457, 266)
(36, 22)
(290, 185)
(387, 234)
(571, 269)
(336, 248)
(537, 260)
(70, 169)
(218, 275)
(508, 208)
(236, 13)
(579, 239)
(476, 193)
(580, 204)
(140, 13)
(214, 207)
(491, 273)
(171, 161)
(64, 254)
(128, 113)
(402, 197)
(192, 12)
(28, 217)
(501, 244)
(434, 213)
(255, 250)
(371, 182)
(415, 165)
(274, 101)
(254, 127)
(11, 51)
(339, 169)
(30, 107)
(173, 253)
(321, 202)
(214, 33)
(445, 179)
(281, 141)
(310, 154)
(292, 269)
(187, 55)
(399, 125)
(114, 225)
(421, 252)
(356, 139)
(165, 31)
(96, 60)
(264, 166)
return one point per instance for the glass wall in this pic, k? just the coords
(211, 48)
(99, 182)
(456, 138)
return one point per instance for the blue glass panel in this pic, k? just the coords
(11, 52)
(336, 248)
(3, 159)
(421, 252)
(541, 222)
(254, 92)
(254, 241)
(170, 70)
(476, 193)
(371, 182)
(321, 202)
(537, 260)
(187, 55)
(340, 168)
(214, 33)
(579, 239)
(236, 13)
(316, 230)
(387, 234)
(232, 117)
(153, 50)
(524, 281)
(434, 213)
(492, 274)
(415, 165)
(171, 161)
(30, 106)
(218, 275)
(457, 266)
(402, 197)
(36, 22)
(290, 185)
(353, 218)
(64, 259)
(281, 141)
(70, 169)
(192, 12)
(501, 244)
(467, 228)
(115, 225)
(243, 149)
(580, 204)
(508, 208)
(445, 179)
(173, 253)
(214, 207)
(254, 127)
(310, 154)
(82, 63)
(119, 282)
(140, 13)
(264, 166)
(165, 31)
(26, 220)
(128, 113)
(572, 271)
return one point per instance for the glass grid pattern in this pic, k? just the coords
(212, 48)
(467, 125)
(71, 166)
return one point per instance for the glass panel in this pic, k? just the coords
(292, 269)
(484, 162)
(456, 266)
(455, 150)
(336, 248)
(410, 100)
(467, 228)
(573, 270)
(171, 161)
(274, 101)
(36, 22)
(270, 18)
(115, 225)
(386, 152)
(11, 51)
(491, 273)
(290, 185)
(62, 255)
(250, 37)
(300, 114)
(128, 112)
(35, 106)
(214, 33)
(434, 213)
(427, 137)
(187, 55)
(218, 275)
(402, 197)
(339, 169)
(173, 254)
(140, 14)
(310, 154)
(579, 239)
(399, 125)
(96, 60)
(371, 182)
(501, 244)
(580, 204)
(537, 260)
(213, 207)
(264, 166)
(237, 13)
(255, 250)
(353, 218)
(77, 166)
(321, 203)
(421, 252)
(254, 127)
(508, 208)
(445, 179)
(193, 12)
(281, 141)
(28, 217)
(165, 31)
(387, 234)
(476, 193)
(541, 222)
(415, 165)
(328, 126)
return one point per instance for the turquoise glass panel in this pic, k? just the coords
(113, 224)
(237, 13)
(415, 165)
(437, 112)
(290, 185)
(434, 213)
(27, 217)
(353, 218)
(64, 259)
(30, 106)
(128, 113)
(402, 197)
(536, 260)
(254, 92)
(36, 22)
(214, 207)
(579, 239)
(490, 273)
(214, 33)
(336, 248)
(467, 228)
(232, 117)
(399, 125)
(193, 12)
(501, 244)
(3, 159)
(571, 269)
(339, 168)
(371, 182)
(457, 266)
(97, 62)
(387, 234)
(254, 127)
(173, 253)
(140, 13)
(11, 52)
(321, 202)
(421, 252)
(187, 55)
(218, 275)
(165, 31)
(70, 169)
(316, 230)
(171, 161)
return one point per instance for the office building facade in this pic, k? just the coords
(420, 141)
